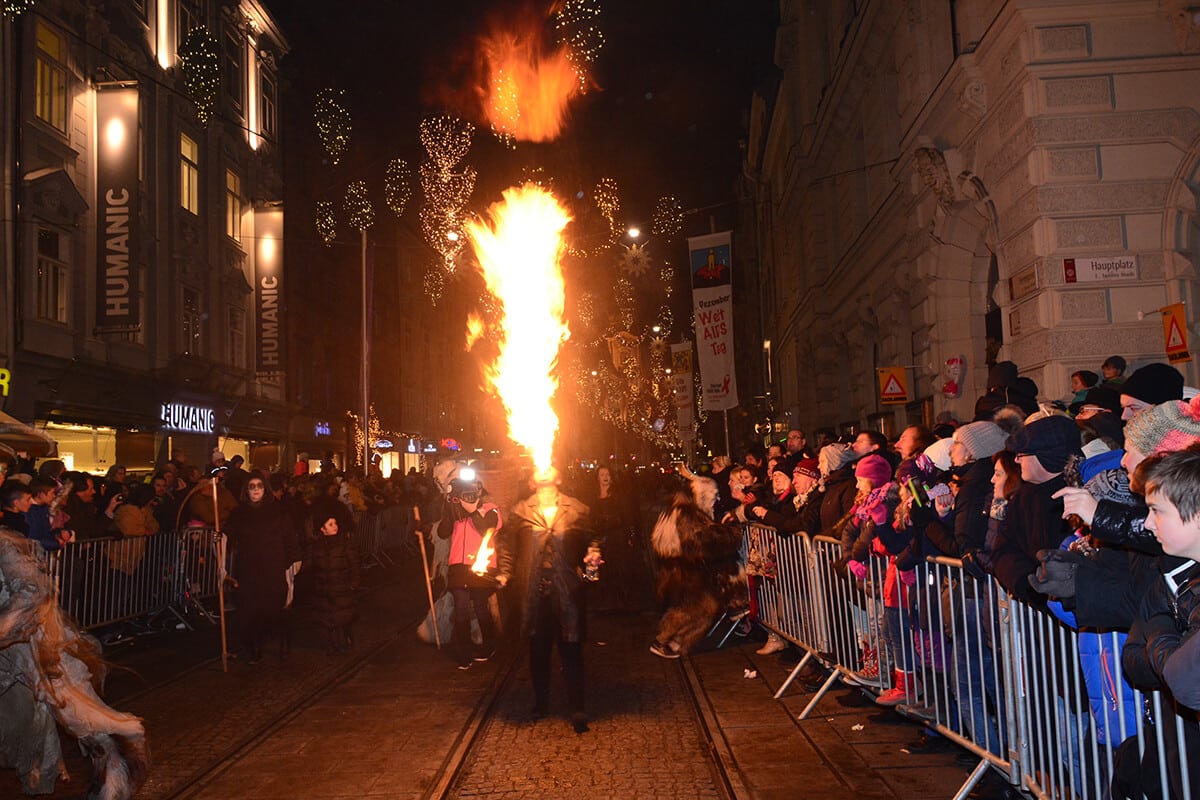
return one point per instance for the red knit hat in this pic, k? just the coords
(874, 468)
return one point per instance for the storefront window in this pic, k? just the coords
(85, 448)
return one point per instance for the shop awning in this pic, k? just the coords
(18, 437)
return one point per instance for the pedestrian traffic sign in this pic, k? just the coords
(1174, 319)
(893, 385)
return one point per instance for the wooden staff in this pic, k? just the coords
(437, 637)
(220, 575)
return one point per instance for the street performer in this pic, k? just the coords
(550, 547)
(472, 566)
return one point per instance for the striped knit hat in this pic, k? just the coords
(1166, 427)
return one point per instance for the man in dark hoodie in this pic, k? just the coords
(1006, 386)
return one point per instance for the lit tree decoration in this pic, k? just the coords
(434, 283)
(665, 320)
(326, 222)
(333, 122)
(635, 260)
(609, 203)
(668, 217)
(578, 32)
(667, 276)
(446, 140)
(397, 185)
(374, 430)
(201, 64)
(15, 8)
(357, 206)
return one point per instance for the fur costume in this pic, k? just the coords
(50, 671)
(699, 569)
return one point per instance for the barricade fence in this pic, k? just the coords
(999, 677)
(105, 581)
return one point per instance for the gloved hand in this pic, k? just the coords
(1055, 576)
(858, 569)
(971, 565)
(907, 576)
(878, 513)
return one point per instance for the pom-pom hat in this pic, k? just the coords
(1165, 427)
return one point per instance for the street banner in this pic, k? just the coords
(1174, 319)
(712, 300)
(117, 299)
(268, 292)
(893, 385)
(682, 395)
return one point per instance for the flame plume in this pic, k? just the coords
(527, 87)
(519, 253)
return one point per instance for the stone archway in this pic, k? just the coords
(954, 269)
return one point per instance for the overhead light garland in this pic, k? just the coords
(576, 23)
(15, 8)
(201, 65)
(333, 122)
(447, 187)
(668, 217)
(360, 213)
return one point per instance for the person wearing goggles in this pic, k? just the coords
(471, 577)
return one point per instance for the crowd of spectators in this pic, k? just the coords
(1047, 497)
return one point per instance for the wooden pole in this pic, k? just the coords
(220, 576)
(437, 637)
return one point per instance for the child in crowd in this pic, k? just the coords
(1162, 649)
(334, 564)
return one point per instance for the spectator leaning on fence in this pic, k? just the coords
(1161, 650)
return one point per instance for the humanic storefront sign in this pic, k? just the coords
(188, 419)
(117, 217)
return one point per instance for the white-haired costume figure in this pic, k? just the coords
(699, 569)
(49, 673)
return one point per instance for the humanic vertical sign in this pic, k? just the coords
(268, 292)
(117, 301)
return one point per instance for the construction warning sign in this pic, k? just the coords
(1174, 319)
(893, 386)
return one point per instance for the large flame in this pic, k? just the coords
(526, 90)
(518, 253)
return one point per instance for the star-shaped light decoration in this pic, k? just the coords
(635, 260)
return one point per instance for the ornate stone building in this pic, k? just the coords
(976, 179)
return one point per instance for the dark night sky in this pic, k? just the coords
(675, 79)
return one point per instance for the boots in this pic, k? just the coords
(869, 674)
(773, 644)
(461, 639)
(904, 690)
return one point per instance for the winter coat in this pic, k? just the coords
(260, 536)
(971, 505)
(1034, 522)
(837, 499)
(527, 540)
(1167, 618)
(333, 562)
(135, 523)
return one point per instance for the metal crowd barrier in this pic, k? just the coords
(108, 580)
(994, 675)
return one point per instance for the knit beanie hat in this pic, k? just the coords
(1165, 427)
(919, 467)
(809, 467)
(833, 457)
(1154, 384)
(982, 439)
(939, 453)
(874, 468)
(1051, 439)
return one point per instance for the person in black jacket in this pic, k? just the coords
(1034, 517)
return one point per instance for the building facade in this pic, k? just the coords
(143, 258)
(975, 180)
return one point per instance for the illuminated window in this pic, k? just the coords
(51, 91)
(192, 319)
(267, 120)
(189, 173)
(53, 275)
(235, 80)
(233, 205)
(237, 337)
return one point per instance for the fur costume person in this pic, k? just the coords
(50, 672)
(699, 569)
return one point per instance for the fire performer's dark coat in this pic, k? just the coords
(527, 543)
